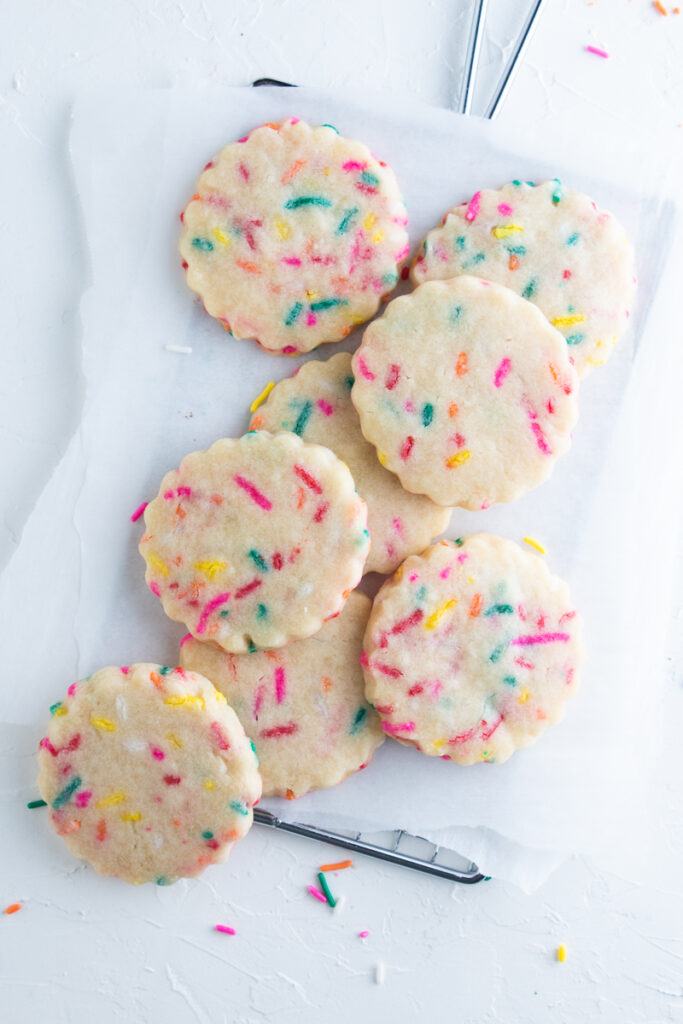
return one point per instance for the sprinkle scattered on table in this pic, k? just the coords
(12, 909)
(561, 954)
(32, 804)
(225, 929)
(317, 893)
(363, 935)
(598, 52)
(660, 7)
(326, 889)
(534, 544)
(339, 866)
(184, 350)
(262, 397)
(380, 973)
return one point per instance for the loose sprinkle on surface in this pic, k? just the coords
(262, 397)
(326, 889)
(597, 51)
(32, 804)
(561, 954)
(12, 909)
(317, 893)
(225, 929)
(339, 866)
(183, 350)
(534, 544)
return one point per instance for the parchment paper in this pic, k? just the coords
(606, 781)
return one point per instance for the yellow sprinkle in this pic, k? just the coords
(439, 743)
(209, 784)
(561, 954)
(176, 699)
(158, 564)
(220, 697)
(131, 817)
(378, 237)
(436, 616)
(399, 573)
(504, 231)
(524, 696)
(61, 711)
(458, 458)
(369, 221)
(211, 569)
(174, 740)
(283, 229)
(382, 456)
(311, 295)
(327, 170)
(113, 798)
(534, 544)
(103, 723)
(262, 397)
(220, 237)
(567, 321)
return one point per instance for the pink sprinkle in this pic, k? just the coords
(157, 753)
(71, 690)
(540, 638)
(462, 557)
(325, 406)
(473, 207)
(184, 492)
(188, 636)
(293, 261)
(540, 438)
(311, 320)
(209, 607)
(505, 209)
(597, 52)
(362, 366)
(168, 495)
(486, 733)
(219, 736)
(244, 172)
(321, 512)
(445, 573)
(402, 727)
(353, 165)
(502, 372)
(247, 589)
(392, 377)
(363, 935)
(253, 493)
(83, 798)
(413, 576)
(566, 617)
(317, 893)
(258, 700)
(407, 447)
(388, 670)
(402, 253)
(464, 736)
(138, 512)
(154, 587)
(398, 526)
(280, 684)
(125, 669)
(363, 658)
(289, 350)
(225, 930)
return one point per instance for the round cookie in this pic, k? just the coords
(147, 773)
(466, 391)
(551, 245)
(304, 707)
(471, 650)
(255, 542)
(294, 235)
(316, 404)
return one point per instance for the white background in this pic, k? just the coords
(485, 954)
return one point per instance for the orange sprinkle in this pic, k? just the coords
(553, 371)
(453, 409)
(272, 124)
(13, 907)
(292, 171)
(180, 512)
(196, 196)
(177, 822)
(226, 327)
(156, 679)
(336, 867)
(290, 794)
(475, 606)
(217, 499)
(660, 7)
(300, 502)
(251, 268)
(101, 833)
(327, 685)
(513, 262)
(461, 365)
(256, 423)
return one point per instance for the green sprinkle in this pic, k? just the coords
(66, 794)
(516, 182)
(162, 880)
(345, 222)
(532, 184)
(510, 680)
(530, 289)
(369, 179)
(326, 889)
(421, 594)
(478, 257)
(573, 239)
(456, 313)
(499, 609)
(458, 542)
(202, 243)
(315, 307)
(303, 418)
(164, 671)
(261, 611)
(358, 720)
(460, 243)
(349, 381)
(32, 804)
(330, 126)
(389, 280)
(557, 194)
(258, 560)
(224, 614)
(240, 807)
(427, 414)
(497, 653)
(294, 204)
(253, 649)
(575, 339)
(53, 707)
(293, 314)
(516, 250)
(207, 835)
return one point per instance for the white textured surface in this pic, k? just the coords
(483, 954)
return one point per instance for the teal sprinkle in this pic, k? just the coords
(349, 381)
(516, 182)
(460, 243)
(510, 680)
(369, 179)
(516, 250)
(575, 339)
(261, 611)
(224, 614)
(345, 222)
(253, 746)
(573, 239)
(66, 794)
(327, 304)
(207, 835)
(358, 720)
(531, 183)
(330, 126)
(253, 649)
(497, 653)
(238, 806)
(499, 609)
(389, 280)
(427, 414)
(458, 542)
(293, 314)
(456, 313)
(203, 244)
(164, 671)
(53, 707)
(162, 880)
(258, 560)
(421, 594)
(530, 289)
(557, 194)
(570, 309)
(294, 204)
(303, 418)
(478, 257)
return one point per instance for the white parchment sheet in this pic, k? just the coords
(606, 782)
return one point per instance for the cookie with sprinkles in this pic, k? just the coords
(316, 404)
(551, 245)
(255, 542)
(466, 391)
(303, 706)
(294, 235)
(471, 650)
(147, 773)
